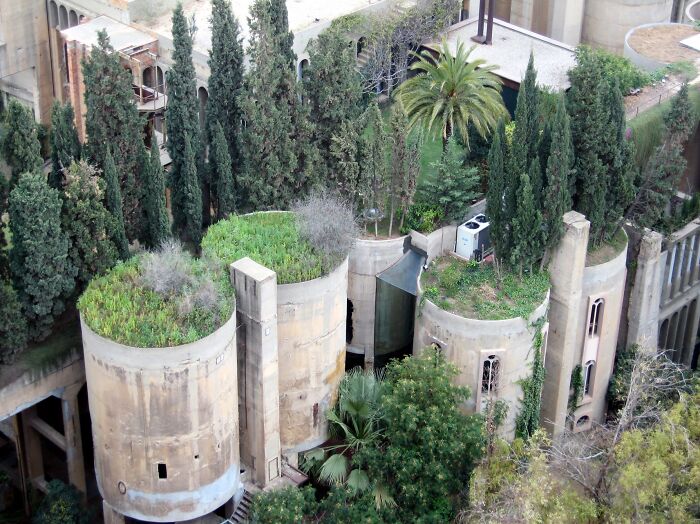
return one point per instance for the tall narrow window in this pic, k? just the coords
(595, 317)
(490, 375)
(588, 370)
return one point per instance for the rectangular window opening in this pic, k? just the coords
(162, 471)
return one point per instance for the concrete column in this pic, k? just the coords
(110, 515)
(32, 448)
(645, 295)
(256, 304)
(689, 341)
(73, 439)
(566, 271)
(521, 13)
(567, 21)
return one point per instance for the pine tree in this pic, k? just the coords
(113, 203)
(271, 156)
(527, 122)
(156, 211)
(373, 157)
(191, 200)
(454, 185)
(113, 123)
(222, 177)
(41, 268)
(20, 143)
(183, 122)
(65, 145)
(557, 194)
(495, 205)
(332, 89)
(85, 222)
(345, 149)
(543, 148)
(13, 326)
(527, 228)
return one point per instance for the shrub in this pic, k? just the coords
(160, 299)
(271, 239)
(284, 506)
(327, 223)
(13, 326)
(61, 505)
(615, 67)
(424, 218)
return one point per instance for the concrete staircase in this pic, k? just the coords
(241, 514)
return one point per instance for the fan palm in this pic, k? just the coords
(355, 421)
(450, 92)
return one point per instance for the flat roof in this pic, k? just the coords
(510, 51)
(121, 36)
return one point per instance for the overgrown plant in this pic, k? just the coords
(528, 419)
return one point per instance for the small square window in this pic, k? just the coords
(162, 471)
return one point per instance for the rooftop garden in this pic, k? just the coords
(159, 299)
(606, 251)
(474, 290)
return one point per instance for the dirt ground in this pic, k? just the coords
(663, 43)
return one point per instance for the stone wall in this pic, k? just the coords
(164, 425)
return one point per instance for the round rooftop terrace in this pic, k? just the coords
(653, 46)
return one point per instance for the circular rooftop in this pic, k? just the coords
(693, 11)
(651, 46)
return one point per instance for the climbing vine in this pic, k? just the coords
(576, 388)
(528, 420)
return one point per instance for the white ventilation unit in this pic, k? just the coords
(473, 240)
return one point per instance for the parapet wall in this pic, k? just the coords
(165, 424)
(311, 337)
(467, 343)
(367, 259)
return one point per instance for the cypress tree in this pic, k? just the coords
(65, 145)
(332, 89)
(191, 201)
(557, 194)
(373, 154)
(85, 221)
(400, 159)
(13, 326)
(20, 143)
(113, 123)
(271, 162)
(156, 211)
(222, 177)
(527, 122)
(41, 268)
(183, 122)
(279, 18)
(544, 147)
(113, 203)
(527, 228)
(495, 205)
(534, 173)
(345, 149)
(226, 80)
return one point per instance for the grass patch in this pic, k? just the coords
(54, 349)
(606, 251)
(119, 307)
(471, 290)
(271, 239)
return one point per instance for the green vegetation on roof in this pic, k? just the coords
(125, 306)
(271, 239)
(606, 251)
(471, 290)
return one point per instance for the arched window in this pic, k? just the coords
(72, 18)
(582, 422)
(63, 17)
(53, 14)
(588, 373)
(302, 67)
(490, 375)
(595, 317)
(348, 323)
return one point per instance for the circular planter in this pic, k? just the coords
(692, 12)
(367, 259)
(164, 424)
(467, 342)
(311, 333)
(653, 63)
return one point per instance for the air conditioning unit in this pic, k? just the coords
(473, 239)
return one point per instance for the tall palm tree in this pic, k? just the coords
(450, 92)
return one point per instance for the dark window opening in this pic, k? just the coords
(348, 323)
(162, 471)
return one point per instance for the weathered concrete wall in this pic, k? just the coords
(258, 369)
(367, 259)
(606, 22)
(311, 336)
(468, 342)
(437, 243)
(173, 406)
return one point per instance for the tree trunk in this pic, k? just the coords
(391, 218)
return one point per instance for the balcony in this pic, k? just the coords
(149, 99)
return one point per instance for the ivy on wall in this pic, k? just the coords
(528, 420)
(576, 388)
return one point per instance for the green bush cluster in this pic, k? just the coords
(616, 67)
(424, 218)
(119, 307)
(474, 290)
(271, 239)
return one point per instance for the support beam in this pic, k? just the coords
(32, 447)
(74, 442)
(48, 432)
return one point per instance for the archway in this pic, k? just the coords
(301, 68)
(63, 17)
(72, 18)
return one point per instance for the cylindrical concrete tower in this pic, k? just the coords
(165, 424)
(311, 319)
